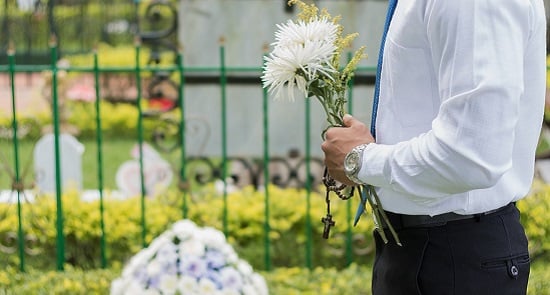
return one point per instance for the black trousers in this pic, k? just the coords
(484, 255)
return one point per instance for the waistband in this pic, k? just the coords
(400, 221)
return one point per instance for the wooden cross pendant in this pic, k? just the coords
(327, 220)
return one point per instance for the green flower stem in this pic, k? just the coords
(334, 112)
(380, 214)
(332, 100)
(330, 118)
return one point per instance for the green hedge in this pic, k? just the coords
(353, 280)
(535, 216)
(246, 226)
(118, 120)
(288, 223)
(246, 233)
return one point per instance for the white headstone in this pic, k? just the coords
(70, 152)
(156, 171)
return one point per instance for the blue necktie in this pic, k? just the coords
(391, 8)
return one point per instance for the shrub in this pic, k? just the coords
(294, 236)
(353, 280)
(118, 121)
(288, 236)
(534, 215)
(245, 225)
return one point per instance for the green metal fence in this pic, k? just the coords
(78, 24)
(12, 68)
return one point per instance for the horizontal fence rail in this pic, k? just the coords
(296, 170)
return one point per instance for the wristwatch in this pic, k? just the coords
(353, 162)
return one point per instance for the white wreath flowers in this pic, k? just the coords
(187, 259)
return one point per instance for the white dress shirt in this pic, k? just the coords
(461, 105)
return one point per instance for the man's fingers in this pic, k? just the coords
(348, 120)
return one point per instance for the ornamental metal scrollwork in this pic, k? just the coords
(9, 240)
(162, 93)
(9, 244)
(161, 28)
(243, 171)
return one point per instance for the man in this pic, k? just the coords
(461, 101)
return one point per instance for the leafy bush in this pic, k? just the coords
(353, 280)
(118, 121)
(245, 215)
(295, 236)
(245, 209)
(70, 281)
(534, 215)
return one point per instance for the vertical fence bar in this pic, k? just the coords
(223, 85)
(267, 227)
(308, 186)
(184, 184)
(17, 184)
(349, 236)
(140, 142)
(99, 142)
(58, 192)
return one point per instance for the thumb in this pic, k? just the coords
(348, 120)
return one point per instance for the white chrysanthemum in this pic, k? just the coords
(249, 290)
(160, 241)
(229, 292)
(303, 52)
(245, 268)
(202, 263)
(295, 65)
(194, 267)
(149, 292)
(212, 237)
(134, 288)
(192, 247)
(293, 33)
(229, 253)
(136, 262)
(154, 267)
(231, 278)
(167, 252)
(259, 284)
(184, 229)
(188, 285)
(169, 284)
(206, 286)
(118, 286)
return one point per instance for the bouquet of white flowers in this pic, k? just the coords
(306, 56)
(187, 259)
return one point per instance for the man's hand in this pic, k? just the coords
(341, 140)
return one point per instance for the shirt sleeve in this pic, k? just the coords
(477, 49)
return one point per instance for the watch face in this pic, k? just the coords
(351, 162)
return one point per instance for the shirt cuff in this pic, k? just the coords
(375, 157)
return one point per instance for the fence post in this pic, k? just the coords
(223, 84)
(140, 141)
(17, 184)
(184, 184)
(99, 142)
(267, 227)
(58, 188)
